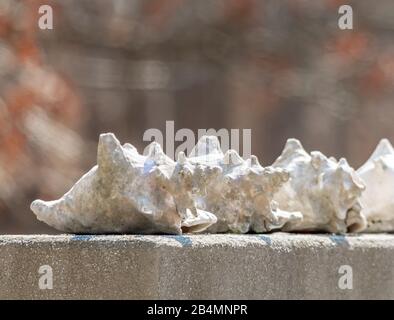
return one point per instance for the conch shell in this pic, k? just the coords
(127, 192)
(240, 193)
(325, 191)
(378, 199)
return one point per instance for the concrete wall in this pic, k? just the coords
(275, 266)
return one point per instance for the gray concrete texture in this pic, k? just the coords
(273, 266)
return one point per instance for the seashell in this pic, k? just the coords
(378, 199)
(325, 191)
(127, 192)
(240, 193)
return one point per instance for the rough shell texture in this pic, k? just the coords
(127, 193)
(324, 190)
(240, 193)
(378, 199)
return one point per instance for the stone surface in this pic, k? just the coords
(270, 266)
(324, 190)
(378, 199)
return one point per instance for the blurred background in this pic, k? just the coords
(281, 68)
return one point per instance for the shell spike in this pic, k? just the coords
(383, 148)
(206, 145)
(231, 157)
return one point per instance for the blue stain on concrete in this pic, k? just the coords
(339, 240)
(183, 240)
(266, 239)
(82, 237)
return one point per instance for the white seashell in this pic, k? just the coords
(378, 199)
(240, 193)
(127, 193)
(325, 191)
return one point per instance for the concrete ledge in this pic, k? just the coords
(275, 266)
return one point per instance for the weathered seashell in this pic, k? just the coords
(325, 191)
(240, 193)
(127, 192)
(378, 199)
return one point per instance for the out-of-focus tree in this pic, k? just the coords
(39, 112)
(282, 68)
